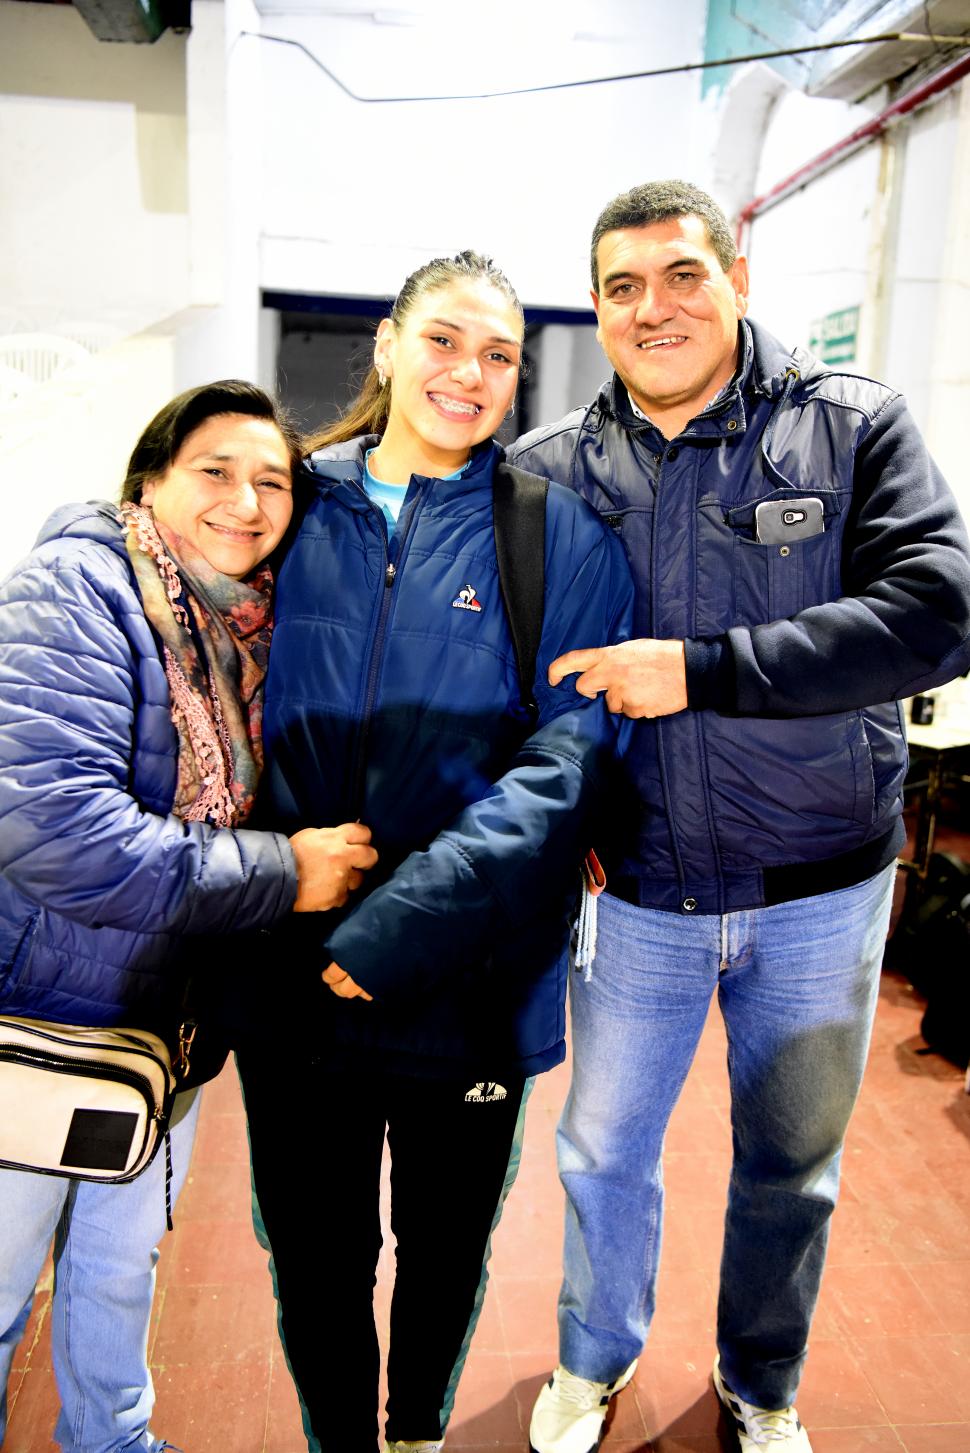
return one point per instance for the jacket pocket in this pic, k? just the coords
(15, 960)
(886, 738)
(775, 581)
(789, 790)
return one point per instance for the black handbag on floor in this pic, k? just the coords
(931, 946)
(946, 1020)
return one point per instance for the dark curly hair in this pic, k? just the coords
(658, 202)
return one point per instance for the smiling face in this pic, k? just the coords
(668, 316)
(228, 492)
(453, 363)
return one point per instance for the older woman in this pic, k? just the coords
(133, 646)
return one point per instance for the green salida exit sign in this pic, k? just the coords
(833, 338)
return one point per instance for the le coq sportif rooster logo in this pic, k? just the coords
(486, 1090)
(466, 599)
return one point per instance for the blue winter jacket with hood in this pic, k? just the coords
(98, 880)
(393, 697)
(784, 776)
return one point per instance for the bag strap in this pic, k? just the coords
(168, 1179)
(519, 516)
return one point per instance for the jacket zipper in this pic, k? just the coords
(22, 951)
(397, 547)
(658, 723)
(137, 1044)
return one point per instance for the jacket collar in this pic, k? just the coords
(764, 368)
(340, 467)
(771, 362)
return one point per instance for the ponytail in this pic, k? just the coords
(367, 414)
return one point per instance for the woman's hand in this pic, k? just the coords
(343, 985)
(330, 863)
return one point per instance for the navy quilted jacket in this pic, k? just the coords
(784, 777)
(98, 881)
(393, 697)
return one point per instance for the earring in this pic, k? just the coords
(381, 380)
(511, 410)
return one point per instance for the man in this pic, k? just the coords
(799, 564)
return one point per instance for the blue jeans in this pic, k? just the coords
(104, 1277)
(797, 985)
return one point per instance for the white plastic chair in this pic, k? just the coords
(13, 384)
(41, 356)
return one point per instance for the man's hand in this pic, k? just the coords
(640, 678)
(343, 985)
(330, 863)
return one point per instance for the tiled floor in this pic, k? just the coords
(889, 1368)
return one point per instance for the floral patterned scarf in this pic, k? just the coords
(215, 634)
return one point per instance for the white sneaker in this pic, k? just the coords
(570, 1412)
(775, 1428)
(414, 1447)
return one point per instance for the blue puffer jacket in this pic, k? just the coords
(393, 697)
(784, 776)
(98, 880)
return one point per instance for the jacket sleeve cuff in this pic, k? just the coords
(290, 884)
(711, 676)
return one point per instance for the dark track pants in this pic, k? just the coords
(317, 1140)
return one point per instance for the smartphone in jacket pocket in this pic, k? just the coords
(778, 521)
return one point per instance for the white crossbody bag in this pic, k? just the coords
(92, 1104)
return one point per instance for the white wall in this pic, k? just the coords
(94, 222)
(93, 195)
(71, 438)
(888, 229)
(809, 256)
(355, 196)
(128, 219)
(948, 404)
(931, 275)
(160, 187)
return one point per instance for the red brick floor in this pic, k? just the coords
(889, 1367)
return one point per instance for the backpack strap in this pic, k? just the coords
(519, 515)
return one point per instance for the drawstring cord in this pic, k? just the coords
(792, 377)
(187, 1032)
(593, 882)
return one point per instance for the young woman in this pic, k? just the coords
(393, 695)
(133, 648)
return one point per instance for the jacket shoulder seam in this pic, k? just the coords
(570, 424)
(856, 406)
